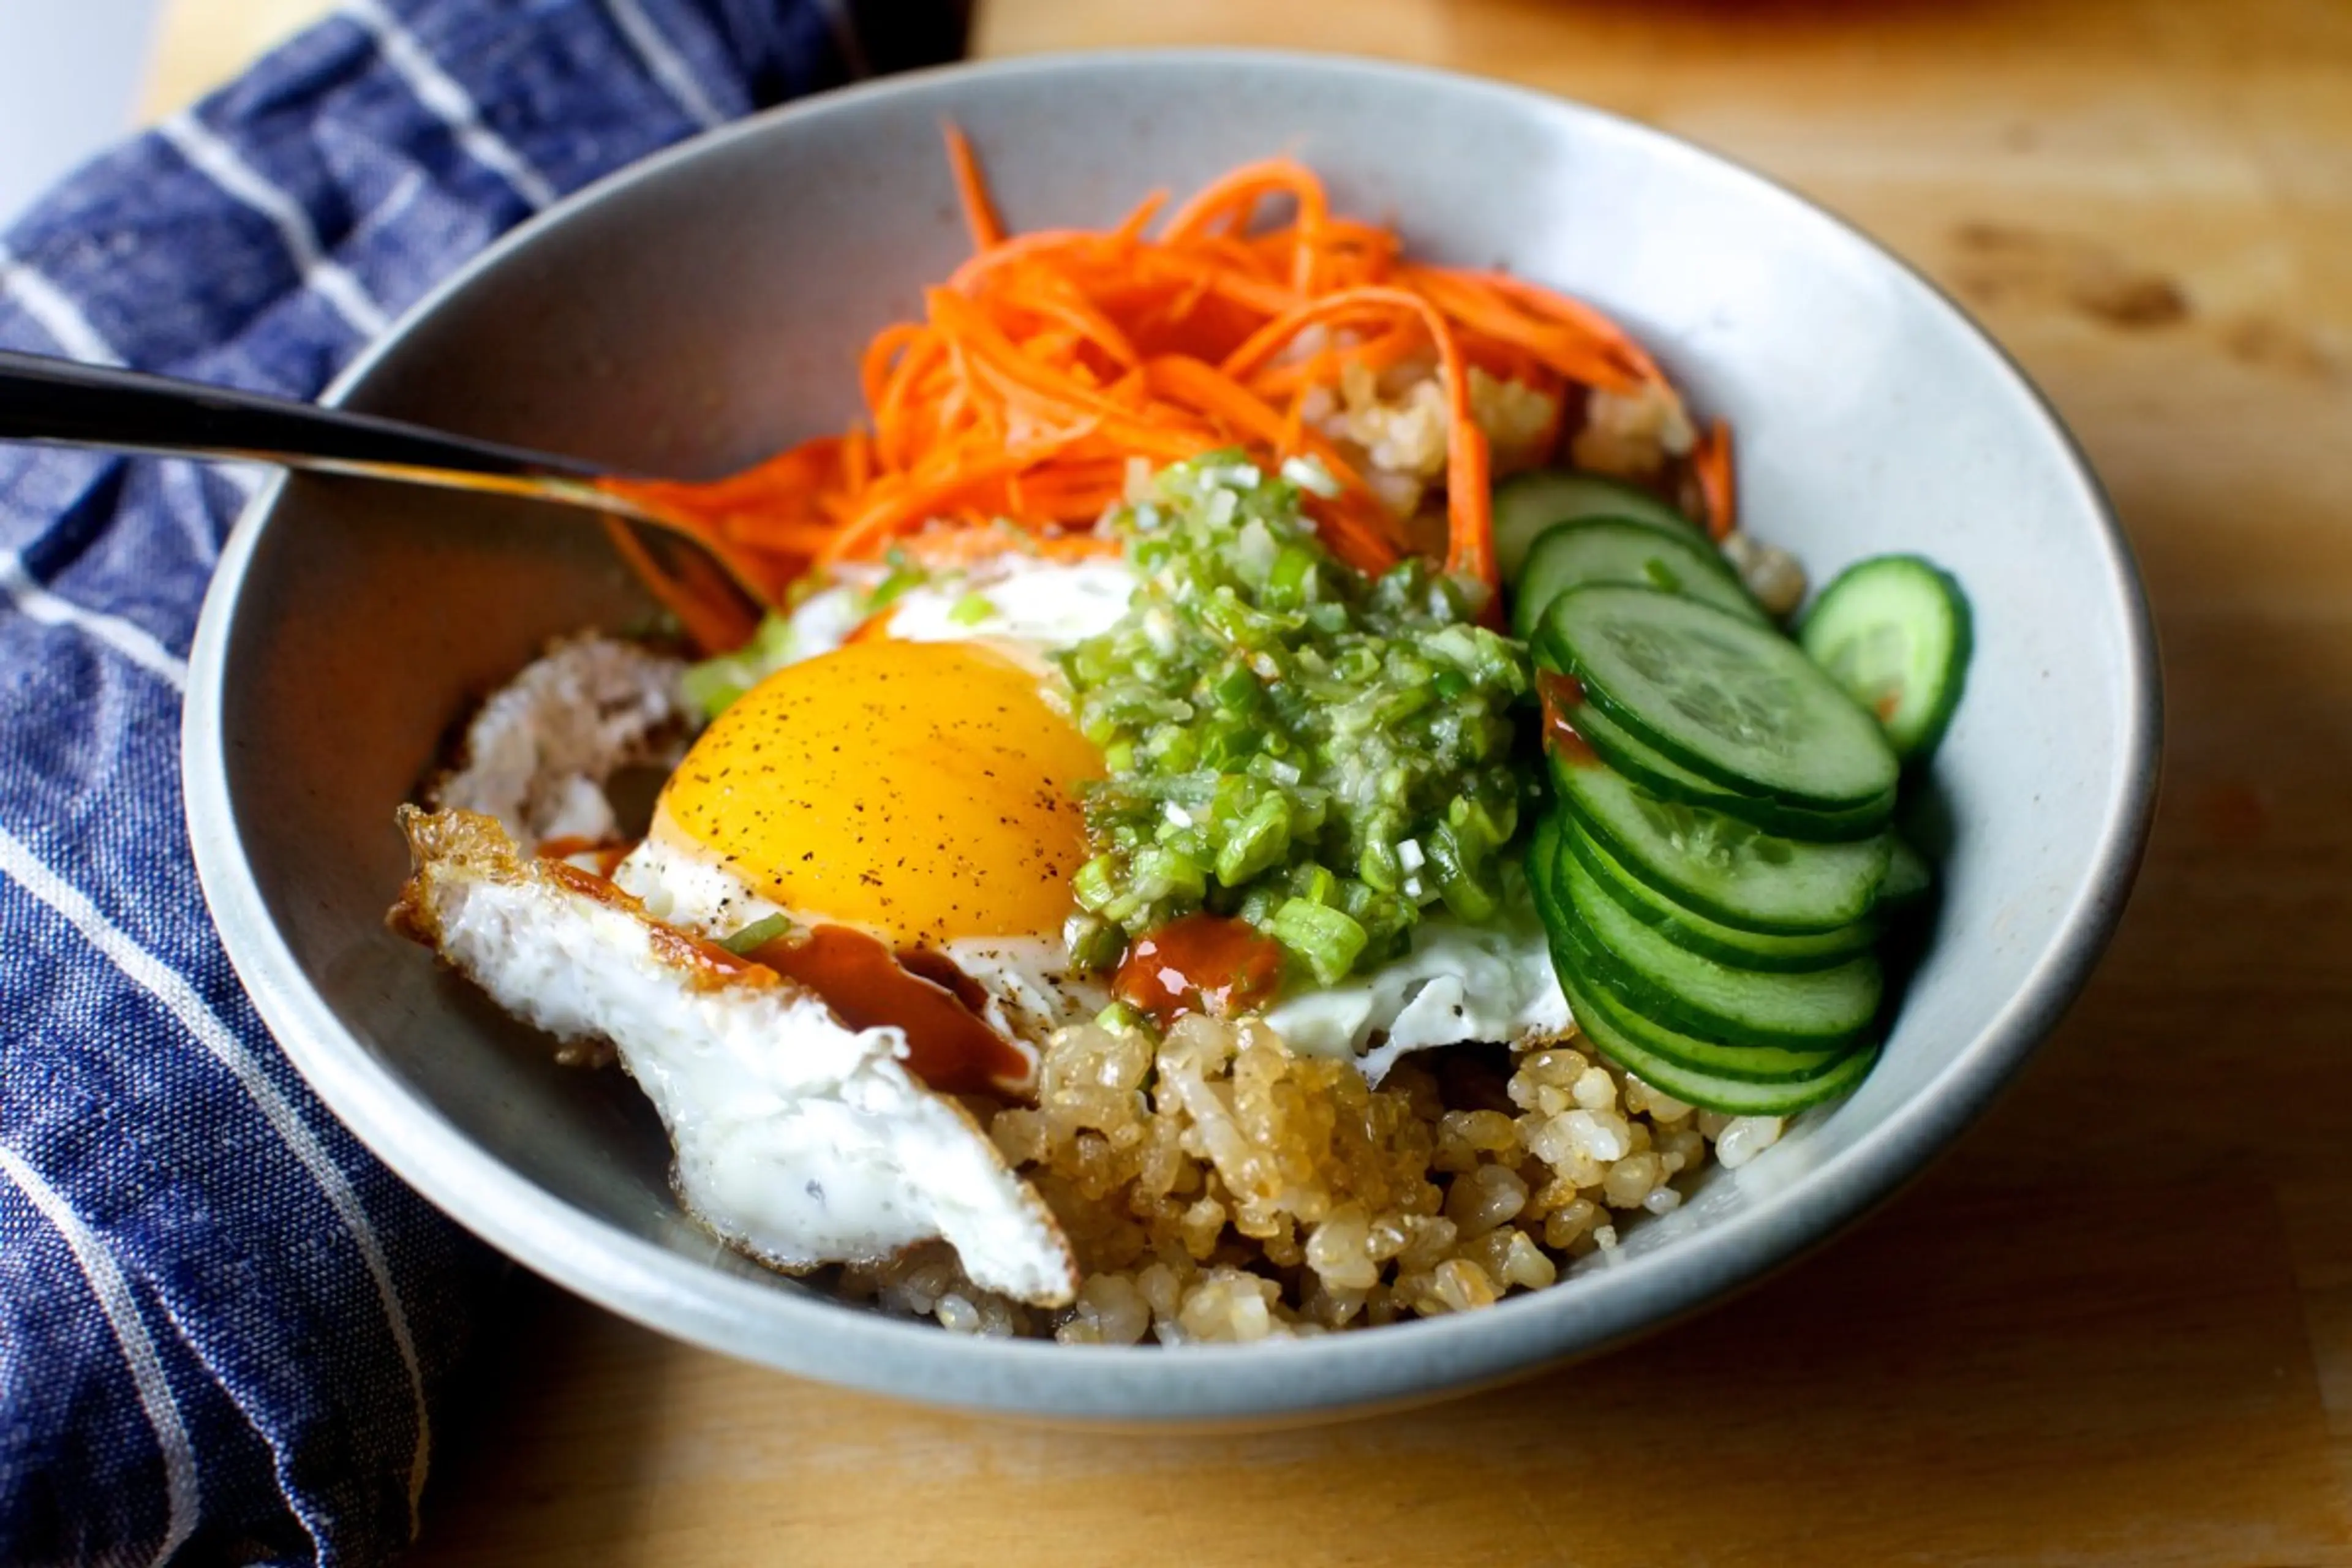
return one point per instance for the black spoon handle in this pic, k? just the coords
(65, 402)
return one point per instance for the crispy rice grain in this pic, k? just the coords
(1217, 1188)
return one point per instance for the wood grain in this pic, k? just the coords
(2116, 1325)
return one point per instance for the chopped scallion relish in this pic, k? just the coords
(1323, 754)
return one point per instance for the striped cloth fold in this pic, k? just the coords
(223, 1327)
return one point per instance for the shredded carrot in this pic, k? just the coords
(1470, 525)
(1493, 313)
(942, 548)
(873, 627)
(1131, 228)
(979, 212)
(1247, 421)
(705, 610)
(1711, 462)
(1009, 414)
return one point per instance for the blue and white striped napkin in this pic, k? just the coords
(223, 1328)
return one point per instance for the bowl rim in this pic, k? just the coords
(1404, 1362)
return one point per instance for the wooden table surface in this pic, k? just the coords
(2114, 1326)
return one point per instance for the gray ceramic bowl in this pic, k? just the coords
(705, 308)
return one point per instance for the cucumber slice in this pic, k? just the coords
(1722, 867)
(1616, 549)
(1894, 632)
(1818, 1009)
(1662, 776)
(1908, 877)
(1544, 846)
(1714, 1091)
(1749, 1064)
(1693, 932)
(1642, 762)
(1726, 697)
(1527, 504)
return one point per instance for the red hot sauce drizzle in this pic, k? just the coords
(948, 1045)
(1561, 696)
(1201, 963)
(609, 852)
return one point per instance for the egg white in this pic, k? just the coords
(1457, 983)
(798, 1139)
(1046, 605)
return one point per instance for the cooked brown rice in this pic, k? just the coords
(1219, 1188)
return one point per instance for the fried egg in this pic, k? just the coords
(798, 1139)
(918, 798)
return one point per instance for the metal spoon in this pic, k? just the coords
(57, 402)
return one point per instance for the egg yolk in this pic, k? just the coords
(922, 791)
